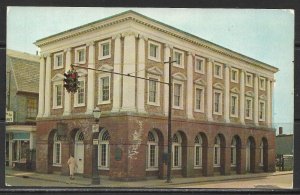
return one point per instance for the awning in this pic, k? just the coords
(21, 136)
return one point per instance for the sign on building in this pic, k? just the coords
(9, 116)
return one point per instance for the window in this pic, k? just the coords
(249, 106)
(218, 73)
(178, 95)
(262, 83)
(152, 150)
(249, 80)
(217, 151)
(176, 151)
(261, 150)
(198, 151)
(103, 149)
(154, 51)
(79, 96)
(234, 75)
(57, 95)
(153, 91)
(234, 105)
(80, 55)
(56, 150)
(261, 110)
(58, 60)
(199, 99)
(104, 89)
(104, 49)
(233, 152)
(199, 65)
(178, 57)
(31, 107)
(217, 102)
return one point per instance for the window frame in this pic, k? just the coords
(236, 106)
(236, 80)
(200, 146)
(76, 98)
(157, 97)
(263, 88)
(250, 110)
(261, 150)
(180, 107)
(220, 108)
(56, 66)
(202, 71)
(155, 144)
(201, 99)
(221, 71)
(179, 145)
(217, 148)
(107, 151)
(251, 80)
(77, 50)
(233, 152)
(55, 143)
(32, 111)
(100, 46)
(181, 65)
(54, 102)
(263, 111)
(158, 51)
(100, 91)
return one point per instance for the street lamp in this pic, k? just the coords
(95, 130)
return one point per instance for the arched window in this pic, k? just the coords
(198, 151)
(261, 149)
(56, 150)
(233, 152)
(79, 136)
(152, 153)
(176, 151)
(217, 151)
(103, 149)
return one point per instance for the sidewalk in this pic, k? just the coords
(150, 183)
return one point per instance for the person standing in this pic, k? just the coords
(72, 165)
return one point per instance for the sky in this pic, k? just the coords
(266, 35)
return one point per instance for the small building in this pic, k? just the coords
(284, 150)
(22, 78)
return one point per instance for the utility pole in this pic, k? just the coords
(170, 124)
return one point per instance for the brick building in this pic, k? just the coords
(22, 83)
(221, 113)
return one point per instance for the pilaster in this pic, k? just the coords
(91, 79)
(42, 87)
(209, 89)
(167, 54)
(141, 73)
(242, 97)
(189, 99)
(227, 95)
(67, 96)
(47, 86)
(117, 78)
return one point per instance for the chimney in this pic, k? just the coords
(280, 130)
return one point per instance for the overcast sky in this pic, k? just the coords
(265, 35)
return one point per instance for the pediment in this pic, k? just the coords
(200, 82)
(58, 77)
(262, 97)
(155, 70)
(106, 67)
(235, 90)
(249, 93)
(179, 76)
(218, 86)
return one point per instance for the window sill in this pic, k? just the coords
(247, 85)
(80, 63)
(196, 167)
(217, 113)
(218, 77)
(152, 169)
(234, 116)
(178, 66)
(102, 103)
(153, 104)
(154, 59)
(217, 166)
(177, 108)
(56, 165)
(199, 111)
(58, 67)
(79, 105)
(54, 108)
(200, 72)
(103, 168)
(176, 168)
(104, 57)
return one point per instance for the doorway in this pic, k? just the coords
(79, 152)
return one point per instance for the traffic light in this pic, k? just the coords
(71, 82)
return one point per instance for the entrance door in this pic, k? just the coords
(79, 152)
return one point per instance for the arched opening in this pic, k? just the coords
(265, 154)
(219, 154)
(103, 150)
(152, 151)
(200, 152)
(79, 151)
(250, 155)
(235, 154)
(176, 151)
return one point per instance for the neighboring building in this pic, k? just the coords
(22, 83)
(222, 102)
(284, 150)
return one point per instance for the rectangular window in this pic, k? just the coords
(178, 58)
(153, 90)
(234, 105)
(154, 51)
(104, 49)
(261, 111)
(104, 90)
(218, 71)
(262, 83)
(152, 155)
(57, 153)
(31, 107)
(80, 93)
(177, 94)
(58, 60)
(199, 66)
(216, 155)
(80, 55)
(103, 155)
(217, 102)
(249, 80)
(248, 110)
(57, 103)
(199, 99)
(234, 75)
(176, 156)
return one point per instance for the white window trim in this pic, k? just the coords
(200, 157)
(218, 156)
(179, 156)
(158, 58)
(106, 142)
(263, 88)
(261, 150)
(56, 62)
(76, 95)
(100, 101)
(180, 107)
(251, 108)
(236, 105)
(264, 111)
(234, 155)
(247, 83)
(221, 71)
(100, 54)
(220, 103)
(237, 75)
(181, 65)
(202, 99)
(157, 103)
(54, 152)
(203, 65)
(54, 102)
(77, 57)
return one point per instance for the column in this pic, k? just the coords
(91, 79)
(209, 90)
(117, 78)
(129, 95)
(167, 54)
(242, 97)
(47, 86)
(141, 73)
(271, 98)
(189, 99)
(67, 96)
(256, 99)
(269, 105)
(42, 87)
(227, 95)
